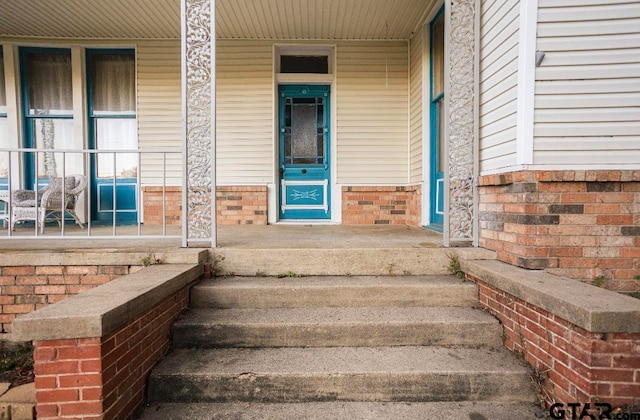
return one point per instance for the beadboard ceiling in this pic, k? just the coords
(236, 19)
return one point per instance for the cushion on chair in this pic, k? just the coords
(69, 183)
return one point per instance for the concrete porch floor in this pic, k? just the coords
(279, 236)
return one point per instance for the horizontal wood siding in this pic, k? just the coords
(159, 109)
(587, 108)
(498, 83)
(373, 112)
(245, 112)
(416, 104)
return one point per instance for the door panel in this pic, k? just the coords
(304, 152)
(437, 118)
(113, 127)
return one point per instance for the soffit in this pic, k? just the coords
(236, 19)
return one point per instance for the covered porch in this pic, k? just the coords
(214, 99)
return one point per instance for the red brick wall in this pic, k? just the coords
(580, 366)
(364, 205)
(103, 378)
(579, 224)
(152, 198)
(24, 289)
(237, 205)
(242, 205)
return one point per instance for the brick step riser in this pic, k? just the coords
(387, 386)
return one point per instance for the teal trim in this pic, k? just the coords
(436, 177)
(305, 180)
(126, 189)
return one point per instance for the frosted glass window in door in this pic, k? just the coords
(305, 136)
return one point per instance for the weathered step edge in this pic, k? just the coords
(313, 292)
(348, 374)
(371, 387)
(342, 262)
(341, 411)
(462, 326)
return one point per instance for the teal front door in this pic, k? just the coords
(304, 142)
(436, 207)
(113, 128)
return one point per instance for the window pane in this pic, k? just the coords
(440, 129)
(113, 77)
(437, 40)
(50, 133)
(4, 129)
(4, 143)
(49, 83)
(3, 92)
(304, 64)
(117, 134)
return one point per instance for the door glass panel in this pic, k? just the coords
(113, 110)
(437, 56)
(49, 83)
(304, 130)
(116, 134)
(113, 77)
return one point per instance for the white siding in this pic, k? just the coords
(373, 112)
(498, 83)
(159, 108)
(416, 107)
(587, 108)
(245, 111)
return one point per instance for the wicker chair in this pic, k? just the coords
(27, 205)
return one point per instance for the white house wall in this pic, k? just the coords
(245, 112)
(159, 109)
(373, 116)
(416, 106)
(587, 108)
(499, 31)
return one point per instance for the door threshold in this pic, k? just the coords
(305, 222)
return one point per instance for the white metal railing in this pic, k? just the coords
(39, 165)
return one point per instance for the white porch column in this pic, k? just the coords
(459, 176)
(199, 119)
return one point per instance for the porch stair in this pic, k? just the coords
(338, 347)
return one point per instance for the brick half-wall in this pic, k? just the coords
(104, 377)
(236, 205)
(580, 224)
(570, 363)
(583, 342)
(371, 205)
(24, 289)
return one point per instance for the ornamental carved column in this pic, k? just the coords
(198, 96)
(460, 226)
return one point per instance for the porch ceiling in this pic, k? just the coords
(236, 19)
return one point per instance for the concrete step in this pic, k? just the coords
(336, 327)
(373, 374)
(343, 411)
(339, 261)
(333, 291)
